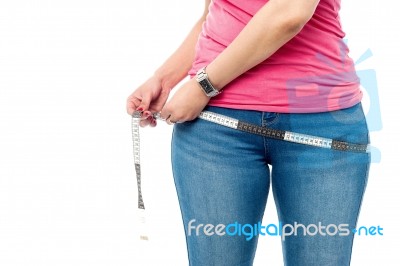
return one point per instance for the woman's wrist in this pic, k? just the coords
(205, 83)
(167, 78)
(215, 77)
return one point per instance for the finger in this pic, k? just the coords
(131, 104)
(169, 121)
(130, 108)
(145, 122)
(145, 102)
(153, 122)
(158, 103)
(146, 115)
(165, 113)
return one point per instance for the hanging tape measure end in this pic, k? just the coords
(142, 224)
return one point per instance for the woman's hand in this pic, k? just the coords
(150, 97)
(186, 104)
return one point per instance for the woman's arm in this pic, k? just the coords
(176, 67)
(271, 27)
(152, 94)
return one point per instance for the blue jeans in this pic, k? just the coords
(222, 176)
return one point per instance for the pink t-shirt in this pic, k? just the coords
(310, 73)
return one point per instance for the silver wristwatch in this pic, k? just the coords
(202, 79)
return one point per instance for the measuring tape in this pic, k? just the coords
(284, 135)
(136, 158)
(245, 127)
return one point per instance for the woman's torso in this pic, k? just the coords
(310, 73)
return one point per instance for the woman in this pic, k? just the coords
(281, 64)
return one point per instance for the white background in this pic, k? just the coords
(67, 185)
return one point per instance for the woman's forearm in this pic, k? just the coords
(271, 27)
(176, 67)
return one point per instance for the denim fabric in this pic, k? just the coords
(223, 176)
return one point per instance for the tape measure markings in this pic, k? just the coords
(136, 155)
(284, 135)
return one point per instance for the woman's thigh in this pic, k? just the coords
(221, 177)
(319, 188)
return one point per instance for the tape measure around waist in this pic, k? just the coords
(284, 135)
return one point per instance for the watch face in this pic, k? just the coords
(206, 86)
